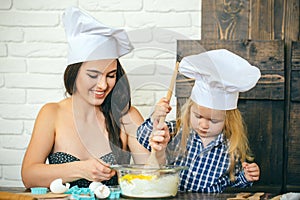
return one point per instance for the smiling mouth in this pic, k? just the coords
(99, 94)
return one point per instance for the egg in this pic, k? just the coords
(94, 185)
(58, 187)
(102, 192)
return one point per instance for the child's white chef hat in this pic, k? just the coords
(89, 39)
(219, 77)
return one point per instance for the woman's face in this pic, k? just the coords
(95, 80)
(208, 123)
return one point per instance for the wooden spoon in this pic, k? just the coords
(152, 160)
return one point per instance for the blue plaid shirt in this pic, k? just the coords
(207, 167)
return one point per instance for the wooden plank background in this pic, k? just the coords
(268, 56)
(247, 19)
(265, 32)
(293, 162)
(295, 74)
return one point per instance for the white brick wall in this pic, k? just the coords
(33, 53)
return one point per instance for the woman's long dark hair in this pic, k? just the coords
(115, 105)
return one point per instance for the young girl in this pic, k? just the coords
(211, 138)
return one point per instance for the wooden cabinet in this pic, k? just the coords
(266, 33)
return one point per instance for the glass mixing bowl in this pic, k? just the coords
(141, 181)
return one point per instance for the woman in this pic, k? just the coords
(96, 125)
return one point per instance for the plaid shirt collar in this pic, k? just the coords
(216, 142)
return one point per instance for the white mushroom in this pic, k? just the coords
(94, 185)
(58, 187)
(102, 192)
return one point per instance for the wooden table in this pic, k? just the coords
(180, 196)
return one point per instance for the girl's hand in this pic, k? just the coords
(96, 170)
(161, 109)
(160, 137)
(251, 171)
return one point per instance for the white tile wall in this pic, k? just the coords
(33, 53)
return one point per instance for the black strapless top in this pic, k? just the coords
(61, 157)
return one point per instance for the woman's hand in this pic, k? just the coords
(161, 109)
(96, 170)
(251, 171)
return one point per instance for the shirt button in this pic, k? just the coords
(194, 173)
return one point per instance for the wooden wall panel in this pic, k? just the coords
(225, 19)
(293, 137)
(263, 54)
(295, 72)
(264, 121)
(291, 20)
(293, 164)
(261, 19)
(292, 120)
(243, 19)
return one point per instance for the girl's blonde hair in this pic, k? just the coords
(234, 130)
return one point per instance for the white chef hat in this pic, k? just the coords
(89, 39)
(219, 77)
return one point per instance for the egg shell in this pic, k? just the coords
(94, 185)
(58, 187)
(102, 192)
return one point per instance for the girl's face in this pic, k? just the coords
(208, 123)
(96, 79)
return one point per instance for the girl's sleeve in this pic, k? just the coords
(145, 129)
(241, 181)
(143, 133)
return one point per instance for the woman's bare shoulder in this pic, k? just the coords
(132, 120)
(54, 107)
(133, 114)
